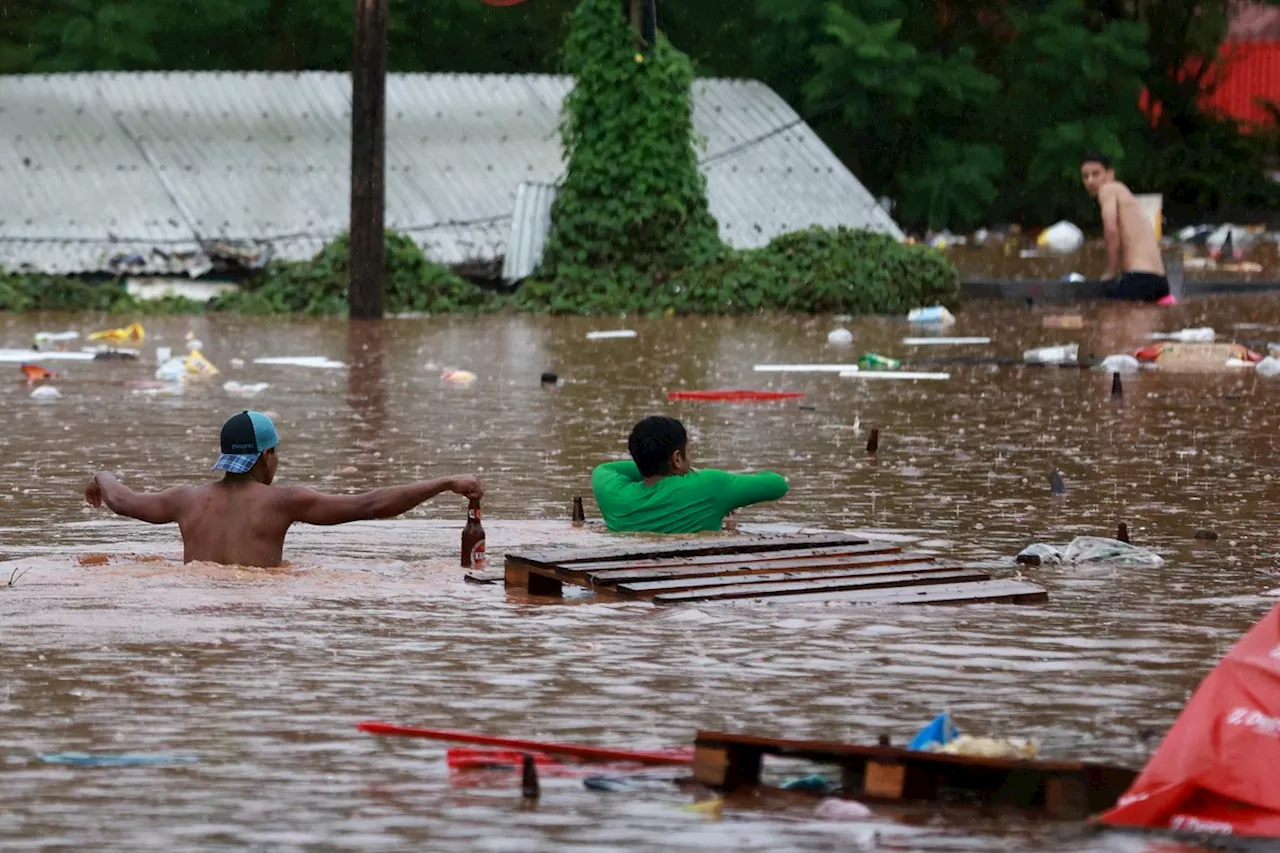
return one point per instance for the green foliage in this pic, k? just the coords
(633, 196)
(318, 287)
(315, 288)
(23, 292)
(814, 271)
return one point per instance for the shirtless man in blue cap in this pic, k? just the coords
(240, 519)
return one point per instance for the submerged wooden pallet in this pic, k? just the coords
(813, 567)
(1069, 790)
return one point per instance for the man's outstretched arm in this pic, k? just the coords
(157, 508)
(312, 507)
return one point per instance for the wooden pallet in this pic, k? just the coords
(1069, 790)
(812, 567)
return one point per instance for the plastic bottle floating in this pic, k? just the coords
(131, 334)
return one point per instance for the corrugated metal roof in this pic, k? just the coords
(530, 224)
(103, 166)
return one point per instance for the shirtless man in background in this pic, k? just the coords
(242, 519)
(1131, 240)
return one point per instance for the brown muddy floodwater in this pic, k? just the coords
(263, 674)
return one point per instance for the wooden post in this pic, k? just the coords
(368, 167)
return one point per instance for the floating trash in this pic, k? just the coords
(610, 335)
(196, 363)
(45, 340)
(458, 377)
(1063, 354)
(35, 373)
(894, 374)
(88, 759)
(1119, 363)
(835, 808)
(934, 315)
(301, 361)
(1061, 237)
(1269, 367)
(840, 337)
(990, 747)
(20, 356)
(46, 392)
(1085, 550)
(134, 333)
(804, 368)
(924, 342)
(245, 389)
(1199, 335)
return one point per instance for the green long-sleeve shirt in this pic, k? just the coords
(689, 503)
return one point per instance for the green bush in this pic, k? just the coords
(819, 271)
(38, 292)
(633, 196)
(319, 286)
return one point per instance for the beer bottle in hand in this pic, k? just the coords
(473, 555)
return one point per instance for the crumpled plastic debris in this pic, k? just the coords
(840, 337)
(835, 808)
(990, 747)
(54, 340)
(934, 315)
(46, 392)
(1061, 237)
(1063, 354)
(1120, 363)
(134, 333)
(245, 389)
(1095, 550)
(1199, 335)
(1269, 367)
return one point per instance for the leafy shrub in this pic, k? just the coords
(319, 286)
(814, 271)
(633, 196)
(39, 292)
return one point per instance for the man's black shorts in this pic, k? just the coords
(1139, 287)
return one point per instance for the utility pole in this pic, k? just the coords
(368, 160)
(643, 15)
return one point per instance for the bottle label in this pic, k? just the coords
(474, 513)
(478, 556)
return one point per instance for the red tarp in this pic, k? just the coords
(1216, 769)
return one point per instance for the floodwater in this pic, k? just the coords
(263, 674)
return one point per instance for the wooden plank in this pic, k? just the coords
(727, 766)
(617, 576)
(835, 752)
(754, 590)
(694, 546)
(716, 559)
(646, 588)
(530, 580)
(990, 591)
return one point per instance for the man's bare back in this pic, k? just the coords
(242, 519)
(1139, 251)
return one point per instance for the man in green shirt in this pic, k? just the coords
(659, 491)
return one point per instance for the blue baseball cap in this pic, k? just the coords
(244, 437)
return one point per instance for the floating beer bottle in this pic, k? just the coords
(473, 554)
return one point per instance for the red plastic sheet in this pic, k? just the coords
(734, 396)
(1215, 770)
